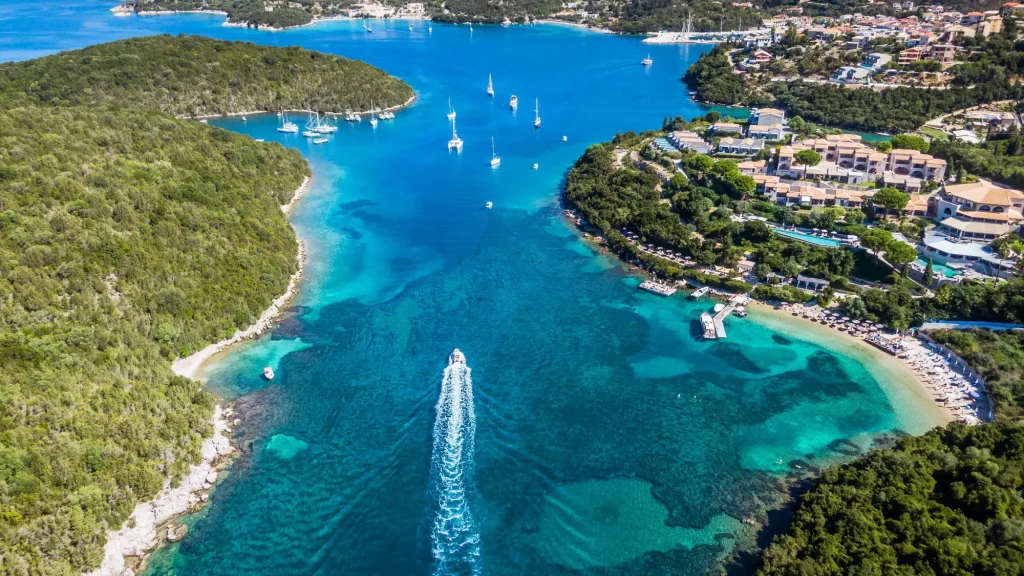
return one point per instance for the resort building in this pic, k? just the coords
(767, 117)
(910, 55)
(917, 164)
(685, 140)
(725, 128)
(752, 167)
(970, 216)
(741, 146)
(847, 151)
(767, 132)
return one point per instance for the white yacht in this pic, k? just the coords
(268, 373)
(647, 61)
(536, 114)
(324, 126)
(320, 141)
(513, 102)
(489, 205)
(490, 86)
(286, 125)
(536, 166)
(495, 159)
(451, 111)
(373, 117)
(565, 138)
(310, 134)
(455, 143)
(456, 358)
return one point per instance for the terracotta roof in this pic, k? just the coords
(983, 192)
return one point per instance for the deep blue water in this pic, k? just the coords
(595, 434)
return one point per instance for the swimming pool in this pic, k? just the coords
(938, 268)
(808, 238)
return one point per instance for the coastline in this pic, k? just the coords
(151, 522)
(905, 386)
(191, 366)
(258, 112)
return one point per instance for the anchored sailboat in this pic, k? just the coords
(490, 86)
(373, 117)
(647, 61)
(287, 126)
(536, 114)
(455, 143)
(495, 160)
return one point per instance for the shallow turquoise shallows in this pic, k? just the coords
(591, 430)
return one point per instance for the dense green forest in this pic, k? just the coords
(948, 502)
(642, 16)
(999, 358)
(1000, 158)
(193, 75)
(127, 238)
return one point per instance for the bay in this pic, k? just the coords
(601, 435)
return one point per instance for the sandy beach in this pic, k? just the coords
(907, 390)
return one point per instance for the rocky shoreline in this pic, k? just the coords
(152, 522)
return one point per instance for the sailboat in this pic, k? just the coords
(373, 118)
(455, 143)
(451, 111)
(495, 160)
(324, 126)
(647, 61)
(536, 114)
(490, 86)
(310, 131)
(513, 102)
(286, 125)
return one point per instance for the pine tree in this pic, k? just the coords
(929, 272)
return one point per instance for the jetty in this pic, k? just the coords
(717, 324)
(658, 288)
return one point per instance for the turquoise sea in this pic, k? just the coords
(591, 433)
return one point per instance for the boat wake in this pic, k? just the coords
(454, 535)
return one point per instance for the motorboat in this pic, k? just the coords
(513, 102)
(456, 357)
(647, 61)
(536, 114)
(489, 205)
(268, 373)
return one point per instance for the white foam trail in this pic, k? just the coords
(456, 541)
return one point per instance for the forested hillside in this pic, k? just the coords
(193, 75)
(948, 502)
(128, 238)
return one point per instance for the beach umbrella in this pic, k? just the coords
(846, 318)
(856, 321)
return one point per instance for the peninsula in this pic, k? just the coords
(130, 238)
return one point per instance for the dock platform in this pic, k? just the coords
(718, 321)
(657, 288)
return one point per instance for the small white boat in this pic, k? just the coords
(268, 373)
(456, 357)
(536, 166)
(513, 102)
(708, 324)
(490, 86)
(647, 61)
(495, 159)
(451, 111)
(310, 134)
(488, 205)
(565, 138)
(244, 119)
(536, 114)
(373, 117)
(455, 143)
(320, 141)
